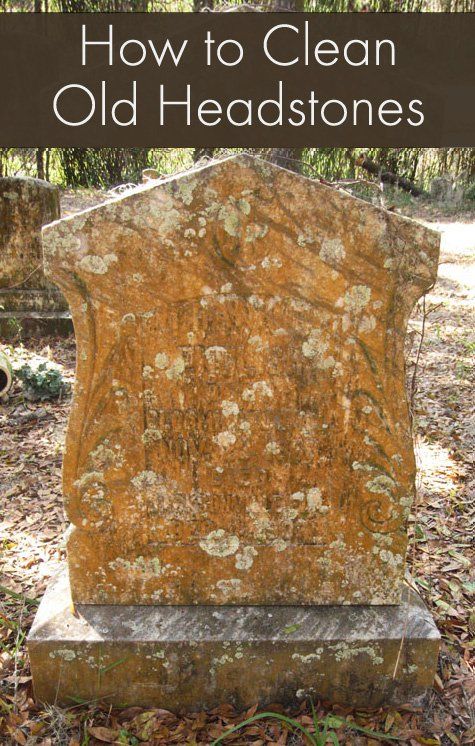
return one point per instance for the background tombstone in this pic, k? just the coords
(239, 439)
(27, 298)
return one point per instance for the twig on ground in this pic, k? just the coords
(20, 636)
(22, 282)
(425, 313)
(418, 356)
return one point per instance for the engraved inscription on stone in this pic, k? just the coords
(240, 431)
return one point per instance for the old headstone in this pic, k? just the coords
(239, 463)
(25, 293)
(444, 189)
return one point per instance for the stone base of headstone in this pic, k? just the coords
(195, 657)
(33, 313)
(34, 300)
(34, 324)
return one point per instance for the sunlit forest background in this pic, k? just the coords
(108, 167)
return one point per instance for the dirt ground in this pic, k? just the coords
(441, 373)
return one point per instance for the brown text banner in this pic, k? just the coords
(237, 79)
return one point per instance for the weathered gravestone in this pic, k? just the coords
(239, 463)
(26, 296)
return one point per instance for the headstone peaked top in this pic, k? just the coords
(240, 430)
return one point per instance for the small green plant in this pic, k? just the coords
(14, 327)
(469, 345)
(324, 730)
(45, 381)
(126, 738)
(462, 369)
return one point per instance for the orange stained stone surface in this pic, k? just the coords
(240, 430)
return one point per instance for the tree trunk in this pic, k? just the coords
(289, 158)
(388, 177)
(40, 166)
(199, 153)
(286, 6)
(198, 7)
(48, 158)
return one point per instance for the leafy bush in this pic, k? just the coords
(45, 381)
(470, 191)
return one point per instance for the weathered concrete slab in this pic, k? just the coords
(39, 301)
(239, 431)
(185, 658)
(33, 324)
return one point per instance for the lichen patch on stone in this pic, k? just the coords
(357, 298)
(224, 439)
(245, 558)
(176, 369)
(229, 408)
(220, 544)
(97, 265)
(332, 251)
(161, 360)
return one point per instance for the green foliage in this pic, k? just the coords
(14, 328)
(470, 191)
(94, 167)
(102, 166)
(42, 382)
(92, 6)
(323, 730)
(127, 739)
(373, 6)
(107, 167)
(420, 165)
